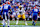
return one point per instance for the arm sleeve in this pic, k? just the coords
(9, 7)
(32, 10)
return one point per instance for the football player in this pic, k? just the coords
(34, 16)
(0, 10)
(6, 8)
(21, 14)
(14, 14)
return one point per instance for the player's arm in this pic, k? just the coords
(38, 13)
(2, 10)
(32, 11)
(10, 8)
(17, 10)
(23, 11)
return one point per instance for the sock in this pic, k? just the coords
(8, 26)
(5, 17)
(17, 22)
(26, 23)
(13, 19)
(3, 21)
(34, 24)
(8, 22)
(3, 26)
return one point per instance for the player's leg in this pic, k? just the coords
(13, 15)
(3, 20)
(28, 17)
(32, 22)
(18, 18)
(0, 16)
(23, 16)
(8, 19)
(35, 19)
(5, 17)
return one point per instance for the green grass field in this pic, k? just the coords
(13, 23)
(0, 0)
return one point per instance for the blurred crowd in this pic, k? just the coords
(28, 5)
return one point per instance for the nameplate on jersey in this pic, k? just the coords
(35, 10)
(6, 7)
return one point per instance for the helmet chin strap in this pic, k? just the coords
(20, 8)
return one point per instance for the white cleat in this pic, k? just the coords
(5, 23)
(26, 23)
(6, 19)
(2, 22)
(16, 22)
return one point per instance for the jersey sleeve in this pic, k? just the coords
(32, 10)
(38, 10)
(9, 7)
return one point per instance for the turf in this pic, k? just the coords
(22, 23)
(0, 0)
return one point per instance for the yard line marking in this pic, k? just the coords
(21, 26)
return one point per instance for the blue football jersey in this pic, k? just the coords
(0, 8)
(13, 10)
(6, 7)
(35, 11)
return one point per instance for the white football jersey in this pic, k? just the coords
(22, 11)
